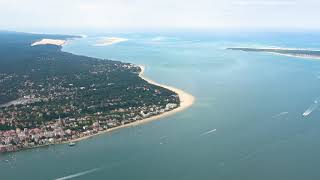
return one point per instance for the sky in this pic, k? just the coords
(149, 15)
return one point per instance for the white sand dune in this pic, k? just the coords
(58, 42)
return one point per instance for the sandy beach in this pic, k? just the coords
(295, 55)
(273, 48)
(186, 100)
(111, 40)
(58, 42)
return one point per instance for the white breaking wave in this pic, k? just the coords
(280, 114)
(79, 174)
(208, 132)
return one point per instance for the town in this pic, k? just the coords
(68, 129)
(52, 97)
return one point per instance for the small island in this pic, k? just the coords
(48, 96)
(300, 53)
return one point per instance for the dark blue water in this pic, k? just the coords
(255, 101)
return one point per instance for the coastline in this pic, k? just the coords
(296, 56)
(271, 50)
(186, 101)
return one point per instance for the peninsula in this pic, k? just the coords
(48, 96)
(300, 53)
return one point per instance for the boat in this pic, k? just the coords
(72, 144)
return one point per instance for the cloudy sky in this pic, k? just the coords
(29, 15)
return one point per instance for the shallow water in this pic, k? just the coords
(237, 129)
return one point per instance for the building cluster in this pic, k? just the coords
(65, 107)
(67, 129)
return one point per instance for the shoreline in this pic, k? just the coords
(271, 50)
(296, 56)
(186, 101)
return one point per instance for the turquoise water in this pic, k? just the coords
(255, 101)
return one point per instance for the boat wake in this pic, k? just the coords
(310, 110)
(313, 107)
(280, 114)
(78, 174)
(208, 132)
